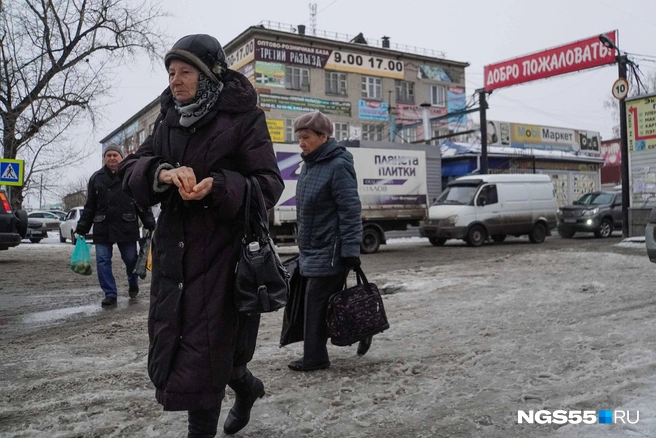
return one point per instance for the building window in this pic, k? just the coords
(151, 127)
(436, 95)
(290, 136)
(341, 131)
(372, 88)
(142, 137)
(372, 132)
(405, 92)
(409, 135)
(335, 83)
(297, 78)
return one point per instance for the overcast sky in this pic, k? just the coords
(479, 32)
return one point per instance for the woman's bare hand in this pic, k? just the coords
(199, 191)
(182, 177)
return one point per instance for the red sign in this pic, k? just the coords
(611, 152)
(572, 57)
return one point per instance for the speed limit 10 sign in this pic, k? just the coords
(620, 88)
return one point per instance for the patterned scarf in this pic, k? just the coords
(206, 95)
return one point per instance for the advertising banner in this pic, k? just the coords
(542, 137)
(304, 104)
(365, 64)
(248, 70)
(270, 74)
(412, 114)
(456, 101)
(385, 177)
(276, 130)
(432, 73)
(373, 110)
(641, 123)
(242, 56)
(286, 53)
(579, 55)
(611, 152)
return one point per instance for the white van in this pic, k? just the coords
(476, 207)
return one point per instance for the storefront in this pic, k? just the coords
(573, 174)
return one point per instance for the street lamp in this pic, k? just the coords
(622, 60)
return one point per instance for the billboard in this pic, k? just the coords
(527, 136)
(270, 74)
(373, 110)
(456, 101)
(611, 152)
(304, 104)
(276, 130)
(579, 55)
(641, 123)
(412, 114)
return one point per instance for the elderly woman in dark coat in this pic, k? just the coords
(208, 137)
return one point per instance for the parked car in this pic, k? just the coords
(476, 207)
(50, 219)
(650, 236)
(596, 212)
(67, 228)
(61, 215)
(36, 230)
(13, 225)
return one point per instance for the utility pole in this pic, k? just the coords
(40, 191)
(482, 103)
(626, 194)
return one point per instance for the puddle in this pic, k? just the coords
(20, 324)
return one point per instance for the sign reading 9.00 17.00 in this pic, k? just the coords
(365, 64)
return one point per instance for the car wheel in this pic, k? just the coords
(370, 241)
(476, 236)
(605, 228)
(35, 240)
(437, 241)
(499, 238)
(538, 234)
(567, 233)
(21, 215)
(73, 239)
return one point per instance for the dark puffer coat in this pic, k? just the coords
(193, 321)
(328, 211)
(111, 211)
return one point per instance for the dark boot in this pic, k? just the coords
(363, 346)
(203, 422)
(248, 388)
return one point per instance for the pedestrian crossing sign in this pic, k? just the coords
(11, 172)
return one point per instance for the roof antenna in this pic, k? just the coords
(313, 19)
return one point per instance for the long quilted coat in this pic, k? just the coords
(192, 322)
(328, 211)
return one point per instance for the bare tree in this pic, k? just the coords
(612, 104)
(56, 65)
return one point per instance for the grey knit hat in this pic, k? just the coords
(113, 147)
(315, 121)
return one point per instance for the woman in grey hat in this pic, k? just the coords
(208, 138)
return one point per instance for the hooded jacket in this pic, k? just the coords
(328, 211)
(192, 324)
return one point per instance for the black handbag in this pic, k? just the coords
(261, 280)
(142, 259)
(355, 313)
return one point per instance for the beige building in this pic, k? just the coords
(372, 90)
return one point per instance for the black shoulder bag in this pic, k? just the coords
(261, 280)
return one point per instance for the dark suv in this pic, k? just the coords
(598, 212)
(13, 226)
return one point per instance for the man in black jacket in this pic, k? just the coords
(114, 216)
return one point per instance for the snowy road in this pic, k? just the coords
(476, 335)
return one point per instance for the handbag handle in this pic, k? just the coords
(261, 214)
(360, 278)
